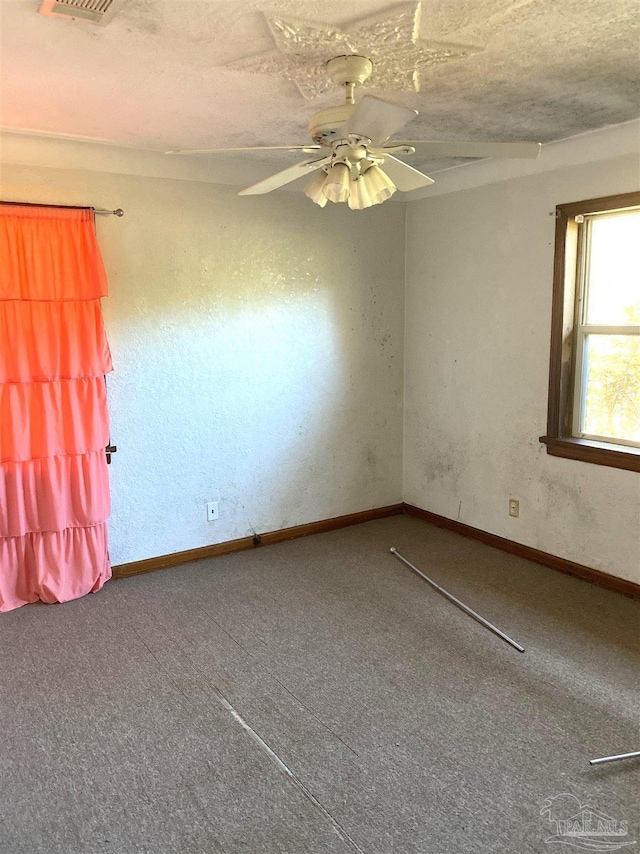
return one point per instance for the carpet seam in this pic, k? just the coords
(272, 675)
(337, 828)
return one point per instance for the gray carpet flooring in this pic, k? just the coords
(317, 696)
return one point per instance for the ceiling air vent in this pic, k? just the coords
(94, 11)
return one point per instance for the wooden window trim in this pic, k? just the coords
(558, 439)
(600, 453)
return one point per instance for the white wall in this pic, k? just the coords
(258, 346)
(479, 267)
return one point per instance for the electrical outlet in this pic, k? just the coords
(212, 511)
(514, 507)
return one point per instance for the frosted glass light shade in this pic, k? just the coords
(315, 189)
(358, 196)
(378, 185)
(336, 185)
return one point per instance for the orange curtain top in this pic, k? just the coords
(49, 254)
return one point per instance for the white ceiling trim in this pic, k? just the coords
(55, 152)
(603, 144)
(59, 152)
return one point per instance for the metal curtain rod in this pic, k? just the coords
(634, 755)
(116, 212)
(458, 603)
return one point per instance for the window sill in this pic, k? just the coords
(598, 453)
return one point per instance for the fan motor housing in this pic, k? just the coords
(325, 125)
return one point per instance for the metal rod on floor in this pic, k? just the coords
(604, 759)
(459, 604)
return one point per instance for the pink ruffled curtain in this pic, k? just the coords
(54, 425)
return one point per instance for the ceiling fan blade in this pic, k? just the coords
(308, 148)
(405, 177)
(377, 119)
(442, 148)
(284, 177)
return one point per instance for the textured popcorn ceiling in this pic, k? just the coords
(191, 74)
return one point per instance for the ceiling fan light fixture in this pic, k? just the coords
(378, 185)
(351, 141)
(315, 189)
(336, 184)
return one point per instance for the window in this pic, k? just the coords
(594, 382)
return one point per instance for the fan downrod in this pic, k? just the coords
(348, 71)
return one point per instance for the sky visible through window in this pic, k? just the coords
(612, 361)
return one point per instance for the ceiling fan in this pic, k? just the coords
(351, 144)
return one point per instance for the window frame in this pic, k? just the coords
(565, 331)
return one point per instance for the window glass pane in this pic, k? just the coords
(613, 292)
(612, 386)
